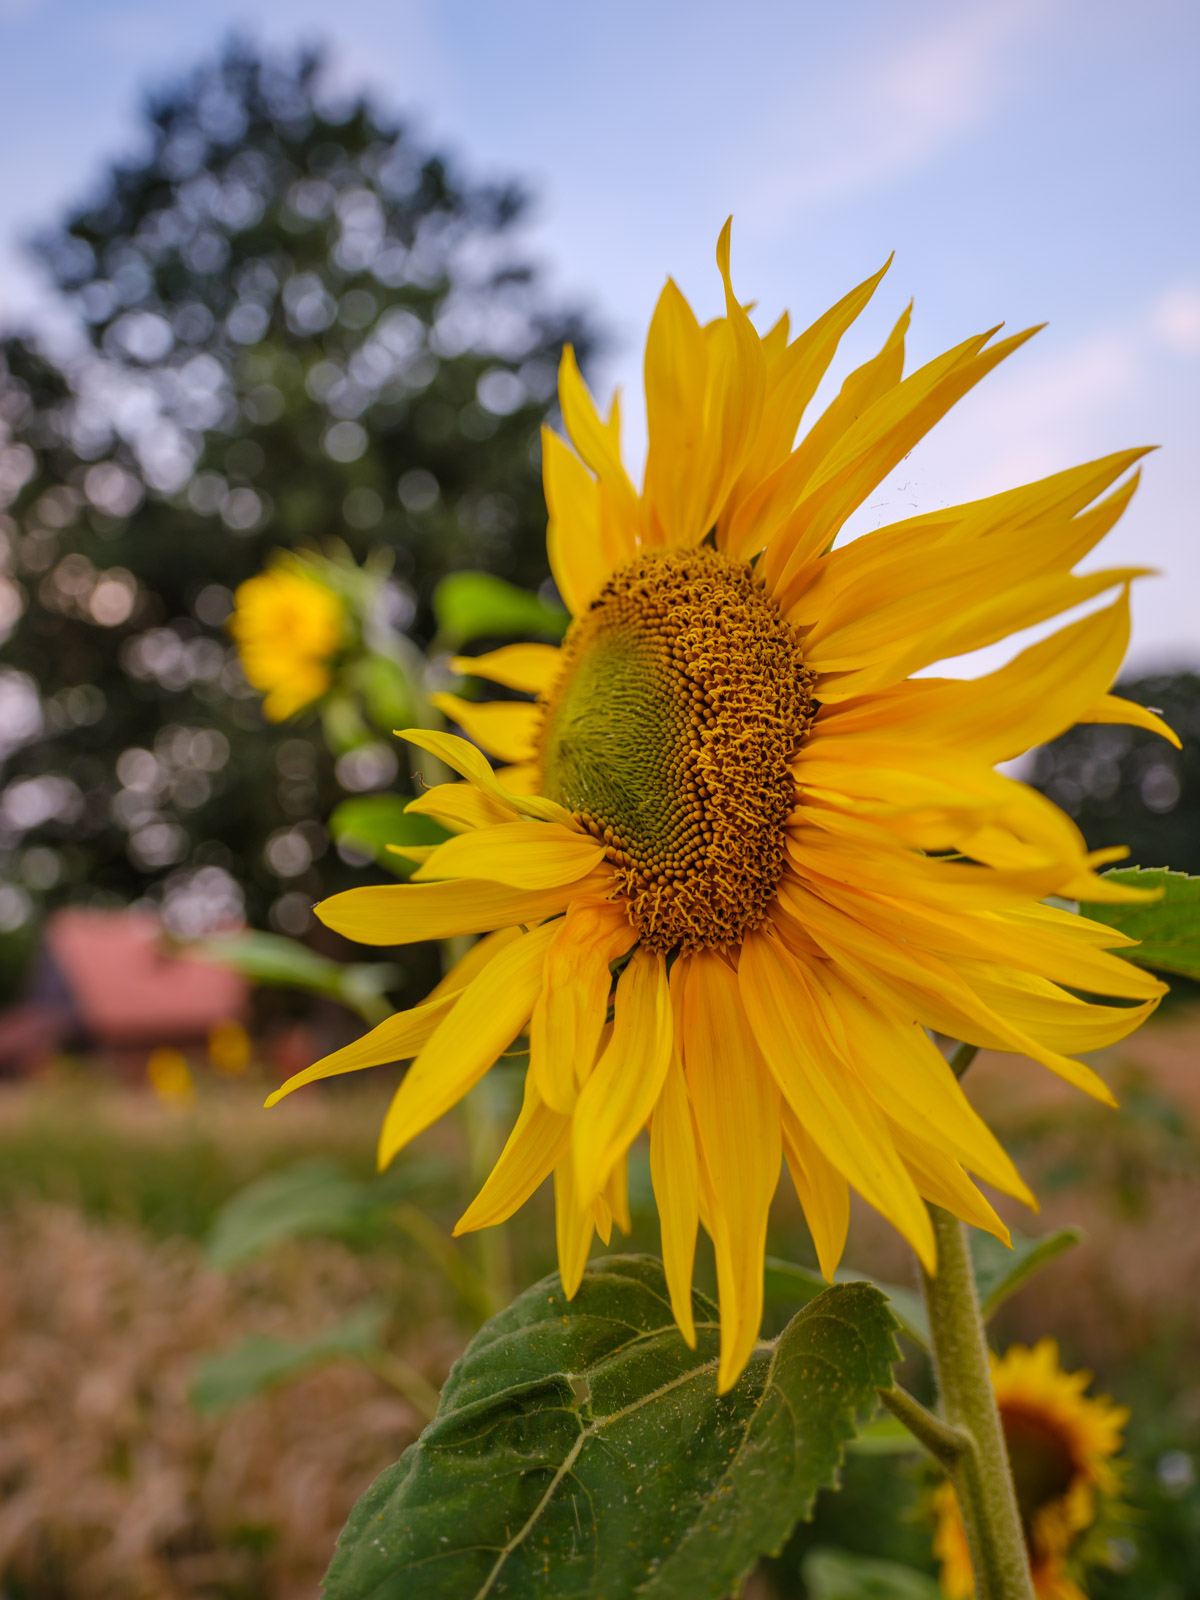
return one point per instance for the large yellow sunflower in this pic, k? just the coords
(741, 860)
(1059, 1444)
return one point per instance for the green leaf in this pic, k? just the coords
(276, 962)
(1000, 1271)
(313, 1197)
(581, 1450)
(371, 822)
(263, 1362)
(838, 1575)
(475, 605)
(387, 692)
(786, 1284)
(1169, 928)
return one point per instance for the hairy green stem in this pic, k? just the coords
(982, 1477)
(945, 1444)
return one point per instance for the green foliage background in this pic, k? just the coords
(302, 324)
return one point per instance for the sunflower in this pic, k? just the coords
(739, 859)
(287, 627)
(1059, 1445)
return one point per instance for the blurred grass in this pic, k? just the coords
(115, 1152)
(107, 1198)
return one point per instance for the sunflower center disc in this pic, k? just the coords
(670, 735)
(1043, 1467)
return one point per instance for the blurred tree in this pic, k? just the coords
(302, 324)
(1123, 786)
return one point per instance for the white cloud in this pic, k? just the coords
(895, 113)
(1175, 318)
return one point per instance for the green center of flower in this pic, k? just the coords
(670, 735)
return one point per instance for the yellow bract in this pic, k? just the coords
(288, 627)
(745, 862)
(1060, 1445)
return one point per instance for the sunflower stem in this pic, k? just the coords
(481, 1111)
(945, 1444)
(982, 1476)
(481, 1117)
(962, 1058)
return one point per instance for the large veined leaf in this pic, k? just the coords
(788, 1283)
(1169, 928)
(581, 1452)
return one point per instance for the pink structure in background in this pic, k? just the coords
(104, 981)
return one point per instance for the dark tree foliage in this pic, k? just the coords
(1124, 786)
(303, 325)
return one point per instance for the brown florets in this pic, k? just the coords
(670, 735)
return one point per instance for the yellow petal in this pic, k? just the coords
(532, 668)
(911, 1081)
(404, 913)
(930, 988)
(485, 1019)
(534, 1146)
(506, 729)
(1112, 708)
(396, 1039)
(823, 1192)
(598, 443)
(573, 1224)
(677, 478)
(736, 1107)
(770, 508)
(470, 965)
(941, 1180)
(616, 1195)
(616, 1100)
(823, 1090)
(876, 442)
(525, 855)
(1058, 1020)
(521, 778)
(569, 1016)
(460, 805)
(793, 375)
(464, 758)
(1050, 951)
(1038, 695)
(573, 535)
(676, 1178)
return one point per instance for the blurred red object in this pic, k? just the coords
(103, 980)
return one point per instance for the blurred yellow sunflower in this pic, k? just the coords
(740, 859)
(1059, 1444)
(287, 627)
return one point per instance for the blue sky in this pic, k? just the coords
(1028, 160)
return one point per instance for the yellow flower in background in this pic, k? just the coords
(735, 818)
(229, 1048)
(1059, 1445)
(170, 1077)
(287, 627)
